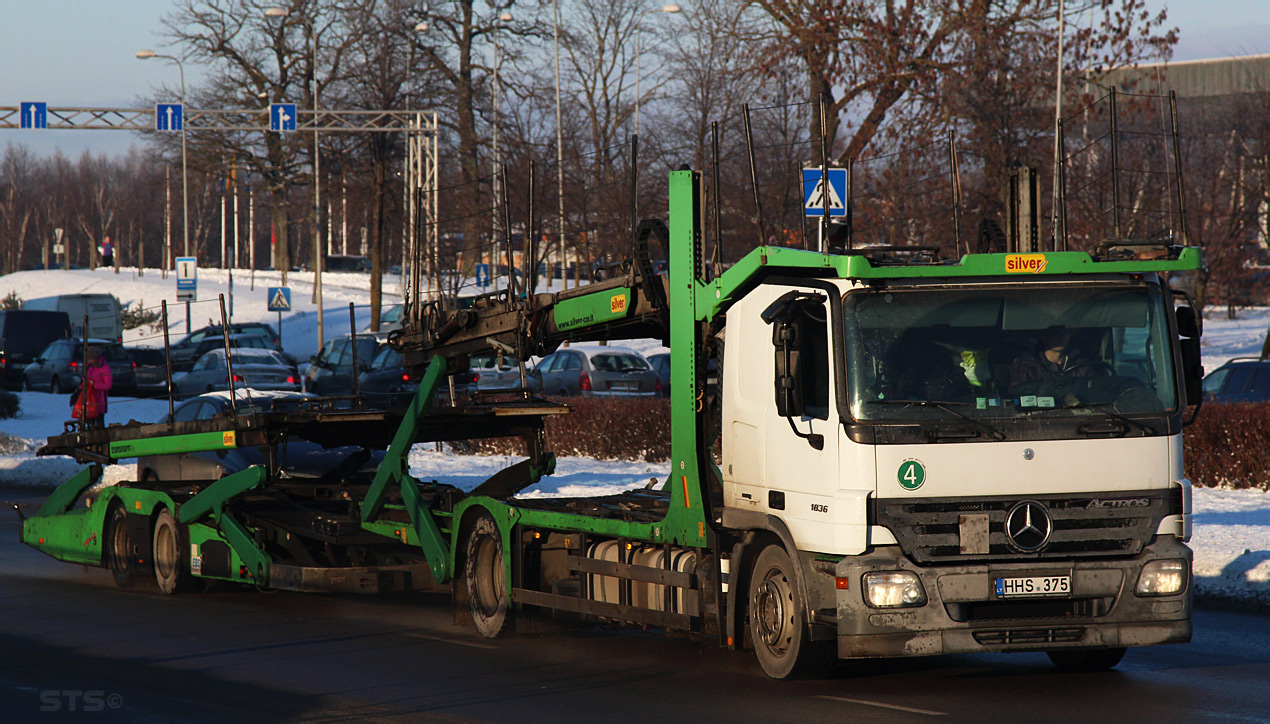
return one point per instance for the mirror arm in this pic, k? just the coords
(816, 440)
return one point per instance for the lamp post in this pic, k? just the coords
(185, 187)
(564, 276)
(276, 12)
(499, 191)
(639, 52)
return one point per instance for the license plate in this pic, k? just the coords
(624, 385)
(1034, 586)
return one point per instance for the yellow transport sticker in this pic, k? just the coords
(229, 439)
(1024, 263)
(617, 303)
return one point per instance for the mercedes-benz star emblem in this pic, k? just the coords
(1028, 526)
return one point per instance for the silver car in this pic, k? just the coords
(262, 369)
(594, 372)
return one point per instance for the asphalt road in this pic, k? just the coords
(73, 647)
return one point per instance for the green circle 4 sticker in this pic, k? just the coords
(911, 474)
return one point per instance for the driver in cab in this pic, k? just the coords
(1051, 370)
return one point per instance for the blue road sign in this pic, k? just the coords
(814, 192)
(168, 116)
(186, 273)
(279, 299)
(34, 115)
(281, 117)
(482, 275)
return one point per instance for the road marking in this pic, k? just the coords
(469, 644)
(896, 707)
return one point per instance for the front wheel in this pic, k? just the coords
(170, 570)
(485, 577)
(778, 627)
(26, 384)
(1075, 660)
(55, 385)
(122, 564)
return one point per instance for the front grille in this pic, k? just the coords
(1064, 635)
(1086, 526)
(1029, 609)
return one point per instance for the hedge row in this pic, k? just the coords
(1228, 446)
(604, 428)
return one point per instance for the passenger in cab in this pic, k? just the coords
(1053, 369)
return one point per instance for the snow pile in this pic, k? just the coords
(1231, 534)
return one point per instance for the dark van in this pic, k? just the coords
(23, 335)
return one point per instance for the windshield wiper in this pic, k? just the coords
(947, 406)
(1103, 408)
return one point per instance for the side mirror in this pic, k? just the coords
(1192, 370)
(789, 399)
(1187, 323)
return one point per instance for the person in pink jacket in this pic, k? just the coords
(100, 379)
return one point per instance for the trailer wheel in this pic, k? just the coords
(782, 640)
(1085, 659)
(119, 556)
(169, 550)
(486, 578)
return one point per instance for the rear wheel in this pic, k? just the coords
(1086, 659)
(55, 385)
(119, 556)
(782, 638)
(170, 570)
(485, 576)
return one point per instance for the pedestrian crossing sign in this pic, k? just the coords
(279, 299)
(815, 190)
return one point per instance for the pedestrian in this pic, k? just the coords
(88, 402)
(107, 253)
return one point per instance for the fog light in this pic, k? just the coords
(1162, 578)
(893, 589)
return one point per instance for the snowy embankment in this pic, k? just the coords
(1231, 527)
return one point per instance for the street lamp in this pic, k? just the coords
(639, 51)
(185, 187)
(276, 12)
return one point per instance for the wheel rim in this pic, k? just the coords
(773, 612)
(120, 563)
(490, 586)
(165, 552)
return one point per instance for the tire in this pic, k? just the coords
(1086, 660)
(55, 385)
(781, 636)
(118, 550)
(485, 577)
(170, 569)
(26, 384)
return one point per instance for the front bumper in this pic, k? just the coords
(964, 615)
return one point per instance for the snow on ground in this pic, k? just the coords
(1231, 532)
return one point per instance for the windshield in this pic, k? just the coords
(1007, 352)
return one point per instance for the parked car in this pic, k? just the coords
(661, 363)
(56, 369)
(387, 384)
(150, 366)
(490, 375)
(23, 335)
(298, 458)
(1244, 379)
(239, 341)
(347, 263)
(261, 369)
(184, 351)
(594, 371)
(330, 371)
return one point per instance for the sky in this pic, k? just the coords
(82, 53)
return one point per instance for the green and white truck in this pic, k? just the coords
(864, 473)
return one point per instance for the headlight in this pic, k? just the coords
(1162, 578)
(893, 589)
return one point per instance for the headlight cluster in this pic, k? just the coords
(1162, 578)
(893, 589)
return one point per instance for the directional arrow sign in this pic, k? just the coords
(814, 191)
(34, 115)
(168, 116)
(281, 117)
(279, 299)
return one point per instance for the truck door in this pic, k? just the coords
(801, 421)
